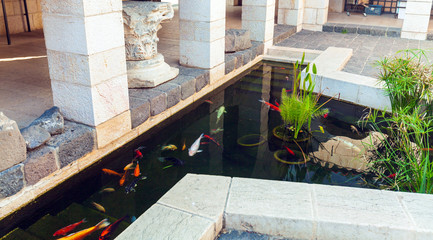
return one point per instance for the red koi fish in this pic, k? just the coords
(137, 170)
(276, 103)
(290, 151)
(325, 115)
(288, 90)
(212, 139)
(204, 143)
(111, 172)
(391, 175)
(67, 229)
(208, 101)
(138, 154)
(272, 106)
(426, 149)
(105, 235)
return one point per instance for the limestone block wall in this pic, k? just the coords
(291, 12)
(17, 20)
(315, 14)
(415, 25)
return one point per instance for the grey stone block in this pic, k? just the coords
(40, 163)
(35, 136)
(230, 63)
(393, 32)
(246, 56)
(378, 31)
(328, 27)
(351, 28)
(173, 92)
(193, 72)
(362, 29)
(157, 99)
(430, 36)
(239, 59)
(201, 81)
(140, 110)
(257, 49)
(12, 144)
(237, 39)
(76, 141)
(51, 120)
(339, 28)
(187, 85)
(11, 181)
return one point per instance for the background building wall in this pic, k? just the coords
(17, 20)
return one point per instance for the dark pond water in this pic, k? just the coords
(246, 121)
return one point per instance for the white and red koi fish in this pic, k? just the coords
(195, 146)
(272, 106)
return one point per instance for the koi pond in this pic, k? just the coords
(240, 139)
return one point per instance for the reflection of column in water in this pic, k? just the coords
(215, 152)
(262, 167)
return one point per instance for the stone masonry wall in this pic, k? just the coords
(17, 20)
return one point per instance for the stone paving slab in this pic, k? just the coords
(367, 49)
(270, 207)
(160, 222)
(203, 195)
(282, 209)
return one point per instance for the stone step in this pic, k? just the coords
(76, 212)
(19, 234)
(45, 227)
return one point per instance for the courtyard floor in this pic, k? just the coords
(25, 89)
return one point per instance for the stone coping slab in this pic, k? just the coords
(331, 81)
(191, 210)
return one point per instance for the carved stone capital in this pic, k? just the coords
(141, 21)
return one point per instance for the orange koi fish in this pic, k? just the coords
(427, 149)
(86, 232)
(272, 106)
(184, 145)
(105, 235)
(67, 229)
(290, 151)
(137, 170)
(129, 166)
(208, 101)
(111, 172)
(212, 139)
(98, 206)
(122, 180)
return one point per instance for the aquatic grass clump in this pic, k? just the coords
(301, 106)
(408, 80)
(402, 160)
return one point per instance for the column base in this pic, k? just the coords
(149, 73)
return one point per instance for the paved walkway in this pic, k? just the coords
(366, 49)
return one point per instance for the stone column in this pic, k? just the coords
(315, 14)
(415, 24)
(202, 35)
(291, 12)
(86, 57)
(142, 20)
(258, 17)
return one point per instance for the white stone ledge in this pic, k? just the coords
(333, 82)
(284, 209)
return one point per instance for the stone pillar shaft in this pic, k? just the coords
(415, 24)
(258, 17)
(202, 33)
(291, 13)
(86, 56)
(315, 14)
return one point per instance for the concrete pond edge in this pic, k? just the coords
(200, 206)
